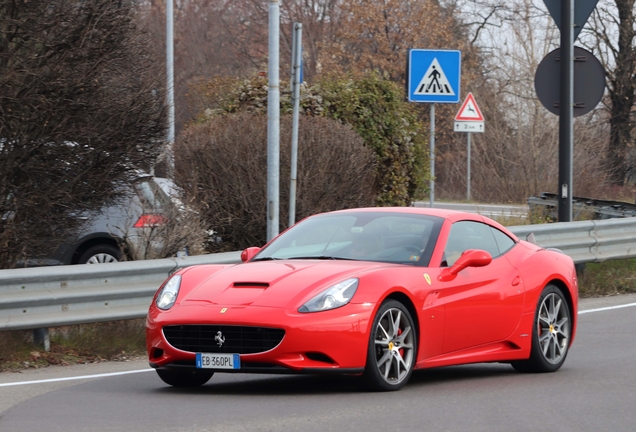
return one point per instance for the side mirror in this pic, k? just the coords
(470, 258)
(249, 253)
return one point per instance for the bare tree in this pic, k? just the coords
(202, 47)
(80, 112)
(517, 156)
(246, 23)
(230, 37)
(613, 37)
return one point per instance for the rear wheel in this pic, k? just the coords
(184, 378)
(551, 333)
(100, 254)
(392, 348)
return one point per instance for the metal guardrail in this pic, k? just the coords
(43, 297)
(64, 295)
(586, 241)
(548, 204)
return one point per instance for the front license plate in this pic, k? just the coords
(218, 361)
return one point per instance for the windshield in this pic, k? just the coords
(366, 236)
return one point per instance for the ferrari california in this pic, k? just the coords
(374, 292)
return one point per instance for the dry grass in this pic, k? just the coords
(510, 220)
(86, 343)
(608, 278)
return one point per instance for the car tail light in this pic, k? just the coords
(150, 221)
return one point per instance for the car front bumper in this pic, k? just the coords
(334, 341)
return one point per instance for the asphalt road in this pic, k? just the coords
(595, 390)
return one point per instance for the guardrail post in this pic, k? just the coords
(580, 270)
(41, 338)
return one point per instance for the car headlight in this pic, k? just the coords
(168, 294)
(338, 295)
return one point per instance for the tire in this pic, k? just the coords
(551, 333)
(185, 378)
(392, 348)
(100, 254)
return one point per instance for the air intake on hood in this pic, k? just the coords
(250, 285)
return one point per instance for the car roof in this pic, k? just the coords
(451, 215)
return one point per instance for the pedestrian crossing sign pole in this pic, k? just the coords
(433, 76)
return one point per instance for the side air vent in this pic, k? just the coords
(317, 356)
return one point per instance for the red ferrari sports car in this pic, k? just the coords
(376, 292)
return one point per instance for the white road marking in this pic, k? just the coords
(607, 308)
(150, 370)
(75, 378)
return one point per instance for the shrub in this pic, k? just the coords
(221, 164)
(374, 107)
(182, 231)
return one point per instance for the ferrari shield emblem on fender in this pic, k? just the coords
(223, 310)
(428, 278)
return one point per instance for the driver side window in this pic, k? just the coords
(465, 235)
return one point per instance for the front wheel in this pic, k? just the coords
(185, 378)
(392, 348)
(551, 333)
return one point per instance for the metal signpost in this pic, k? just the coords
(566, 100)
(296, 81)
(469, 119)
(273, 122)
(570, 17)
(433, 76)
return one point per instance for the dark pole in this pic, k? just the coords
(566, 107)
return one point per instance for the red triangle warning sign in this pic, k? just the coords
(469, 110)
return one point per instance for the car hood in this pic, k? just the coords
(287, 283)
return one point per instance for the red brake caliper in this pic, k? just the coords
(401, 350)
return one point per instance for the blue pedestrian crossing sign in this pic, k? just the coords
(434, 76)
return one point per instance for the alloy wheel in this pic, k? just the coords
(553, 328)
(394, 345)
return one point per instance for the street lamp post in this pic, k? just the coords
(170, 86)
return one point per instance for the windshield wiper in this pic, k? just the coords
(266, 259)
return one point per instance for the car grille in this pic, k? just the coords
(236, 339)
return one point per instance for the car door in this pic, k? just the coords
(482, 304)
